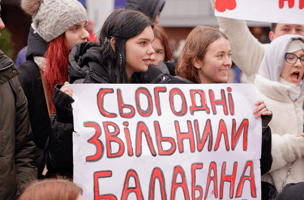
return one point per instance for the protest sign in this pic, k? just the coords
(274, 11)
(184, 141)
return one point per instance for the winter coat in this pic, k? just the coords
(85, 67)
(30, 80)
(287, 119)
(17, 149)
(148, 7)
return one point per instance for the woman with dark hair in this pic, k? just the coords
(52, 189)
(206, 58)
(122, 56)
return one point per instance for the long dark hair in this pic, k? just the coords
(122, 25)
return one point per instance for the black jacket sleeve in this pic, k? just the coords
(266, 157)
(60, 149)
(155, 75)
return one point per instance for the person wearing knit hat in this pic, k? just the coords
(57, 25)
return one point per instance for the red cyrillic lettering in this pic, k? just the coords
(203, 106)
(124, 106)
(157, 174)
(161, 139)
(210, 178)
(102, 174)
(207, 134)
(235, 138)
(230, 101)
(290, 3)
(157, 90)
(112, 137)
(225, 178)
(141, 127)
(218, 102)
(198, 188)
(137, 189)
(94, 140)
(173, 92)
(222, 130)
(250, 178)
(184, 135)
(100, 102)
(148, 112)
(183, 184)
(301, 6)
(128, 139)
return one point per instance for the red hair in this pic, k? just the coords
(51, 189)
(56, 70)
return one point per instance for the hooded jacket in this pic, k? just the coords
(148, 7)
(30, 80)
(17, 149)
(85, 66)
(287, 119)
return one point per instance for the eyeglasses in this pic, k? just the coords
(291, 58)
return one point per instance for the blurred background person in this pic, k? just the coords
(163, 54)
(151, 8)
(52, 189)
(90, 28)
(17, 165)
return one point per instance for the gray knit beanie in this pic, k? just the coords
(52, 18)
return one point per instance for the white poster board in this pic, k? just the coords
(275, 11)
(184, 141)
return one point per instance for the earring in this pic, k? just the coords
(120, 60)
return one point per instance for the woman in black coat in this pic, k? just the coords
(122, 56)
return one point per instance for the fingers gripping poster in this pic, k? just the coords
(275, 11)
(166, 142)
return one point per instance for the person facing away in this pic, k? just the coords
(17, 166)
(57, 25)
(52, 189)
(280, 84)
(123, 55)
(151, 8)
(248, 52)
(206, 58)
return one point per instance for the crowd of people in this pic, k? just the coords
(36, 120)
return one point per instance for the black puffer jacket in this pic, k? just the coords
(85, 67)
(148, 7)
